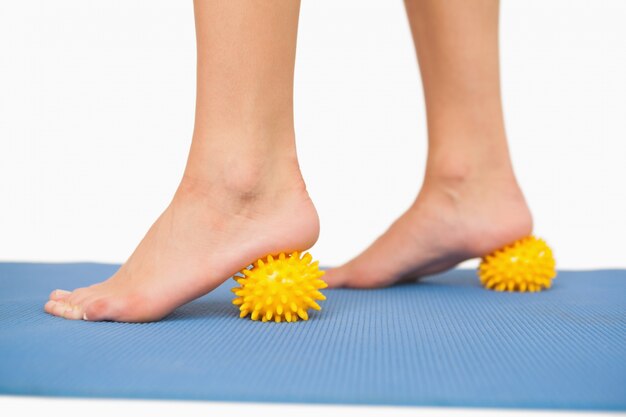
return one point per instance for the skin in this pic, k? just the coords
(242, 195)
(470, 203)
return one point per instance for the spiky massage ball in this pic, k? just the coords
(281, 289)
(525, 265)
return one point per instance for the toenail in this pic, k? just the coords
(85, 317)
(61, 292)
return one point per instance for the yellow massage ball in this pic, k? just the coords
(525, 265)
(279, 289)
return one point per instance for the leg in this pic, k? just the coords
(470, 202)
(242, 195)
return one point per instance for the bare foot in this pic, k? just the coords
(207, 233)
(452, 219)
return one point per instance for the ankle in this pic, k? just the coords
(246, 180)
(243, 163)
(463, 147)
(472, 165)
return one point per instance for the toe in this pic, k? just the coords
(73, 312)
(59, 295)
(49, 306)
(56, 308)
(98, 309)
(124, 308)
(64, 310)
(87, 305)
(79, 295)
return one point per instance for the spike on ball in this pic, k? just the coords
(279, 289)
(525, 265)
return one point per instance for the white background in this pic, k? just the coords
(96, 116)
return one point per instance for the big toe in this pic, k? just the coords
(121, 307)
(99, 309)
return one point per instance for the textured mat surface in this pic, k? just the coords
(444, 341)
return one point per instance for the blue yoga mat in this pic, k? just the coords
(443, 341)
